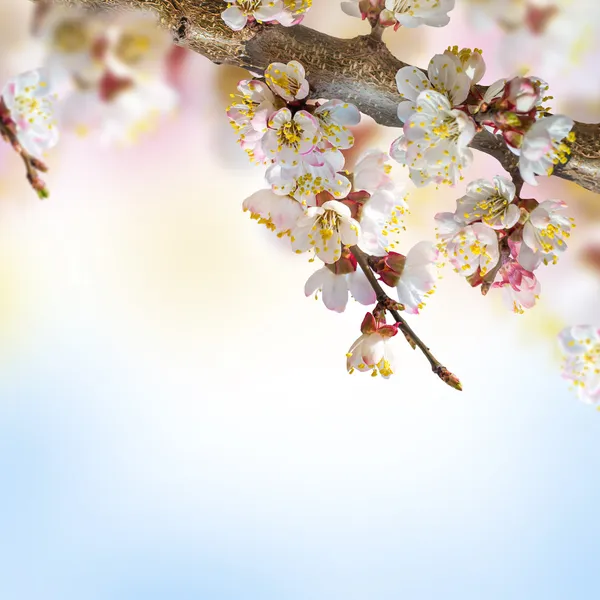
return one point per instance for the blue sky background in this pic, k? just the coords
(176, 421)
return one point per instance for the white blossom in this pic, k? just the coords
(30, 99)
(278, 213)
(474, 247)
(239, 11)
(372, 171)
(372, 351)
(336, 287)
(381, 221)
(334, 119)
(287, 81)
(581, 347)
(324, 229)
(418, 278)
(491, 203)
(289, 137)
(521, 287)
(543, 147)
(293, 12)
(412, 13)
(435, 141)
(317, 172)
(545, 234)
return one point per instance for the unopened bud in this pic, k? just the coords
(523, 94)
(390, 268)
(449, 378)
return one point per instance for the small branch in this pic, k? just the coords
(33, 166)
(363, 260)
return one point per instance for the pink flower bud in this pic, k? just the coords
(523, 93)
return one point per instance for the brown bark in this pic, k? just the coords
(361, 70)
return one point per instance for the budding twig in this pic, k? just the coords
(33, 166)
(413, 339)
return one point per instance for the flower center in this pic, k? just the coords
(297, 7)
(487, 210)
(405, 6)
(32, 109)
(290, 134)
(328, 224)
(249, 6)
(448, 129)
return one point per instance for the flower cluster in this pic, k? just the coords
(581, 348)
(497, 240)
(285, 12)
(437, 124)
(300, 141)
(117, 70)
(396, 13)
(27, 122)
(515, 109)
(443, 109)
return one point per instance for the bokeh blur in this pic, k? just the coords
(176, 419)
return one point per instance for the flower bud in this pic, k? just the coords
(523, 94)
(390, 268)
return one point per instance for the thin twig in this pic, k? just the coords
(442, 372)
(33, 166)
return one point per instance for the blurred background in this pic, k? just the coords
(176, 420)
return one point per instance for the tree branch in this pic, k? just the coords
(360, 70)
(385, 302)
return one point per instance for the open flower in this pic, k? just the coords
(251, 110)
(490, 203)
(30, 99)
(435, 141)
(324, 229)
(412, 13)
(287, 81)
(521, 288)
(277, 213)
(473, 248)
(547, 230)
(336, 284)
(544, 147)
(240, 11)
(289, 137)
(581, 347)
(293, 12)
(372, 171)
(372, 351)
(317, 172)
(418, 277)
(334, 119)
(451, 74)
(381, 221)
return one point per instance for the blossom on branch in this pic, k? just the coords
(491, 203)
(324, 229)
(240, 12)
(544, 147)
(412, 13)
(298, 140)
(30, 100)
(372, 351)
(435, 141)
(339, 279)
